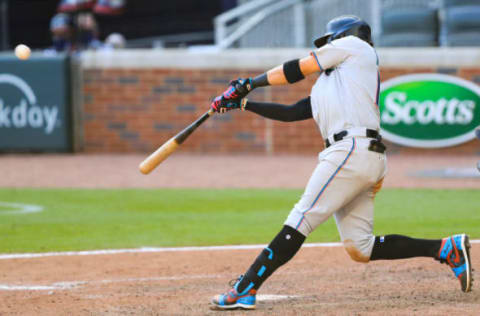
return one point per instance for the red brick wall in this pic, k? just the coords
(136, 110)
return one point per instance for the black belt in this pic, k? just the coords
(376, 144)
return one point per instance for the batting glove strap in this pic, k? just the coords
(243, 104)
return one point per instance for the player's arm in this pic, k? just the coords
(291, 71)
(299, 111)
(287, 73)
(328, 56)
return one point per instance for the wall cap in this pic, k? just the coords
(268, 58)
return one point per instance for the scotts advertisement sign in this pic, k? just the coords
(429, 110)
(34, 104)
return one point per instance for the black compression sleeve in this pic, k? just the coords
(401, 247)
(301, 110)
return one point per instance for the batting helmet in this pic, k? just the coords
(343, 26)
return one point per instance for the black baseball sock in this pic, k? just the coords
(282, 248)
(402, 247)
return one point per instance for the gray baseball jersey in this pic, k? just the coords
(348, 175)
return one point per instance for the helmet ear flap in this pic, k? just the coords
(364, 32)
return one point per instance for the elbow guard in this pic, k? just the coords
(291, 70)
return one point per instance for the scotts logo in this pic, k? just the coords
(429, 110)
(20, 109)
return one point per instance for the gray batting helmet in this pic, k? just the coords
(343, 26)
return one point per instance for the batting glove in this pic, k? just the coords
(242, 87)
(222, 105)
(238, 89)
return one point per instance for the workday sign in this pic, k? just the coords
(429, 110)
(34, 104)
(25, 112)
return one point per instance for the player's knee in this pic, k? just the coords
(358, 250)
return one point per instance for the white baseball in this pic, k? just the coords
(22, 51)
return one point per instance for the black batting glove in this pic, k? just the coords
(221, 105)
(242, 87)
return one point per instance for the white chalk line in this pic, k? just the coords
(71, 285)
(149, 249)
(19, 208)
(68, 285)
(158, 249)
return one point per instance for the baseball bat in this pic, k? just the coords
(162, 153)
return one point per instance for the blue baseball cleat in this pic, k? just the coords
(234, 300)
(455, 251)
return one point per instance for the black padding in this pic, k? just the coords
(252, 274)
(292, 71)
(282, 248)
(286, 244)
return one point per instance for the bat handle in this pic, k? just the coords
(180, 137)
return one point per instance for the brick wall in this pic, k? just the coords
(136, 110)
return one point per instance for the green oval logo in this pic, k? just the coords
(429, 110)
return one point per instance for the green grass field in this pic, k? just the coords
(79, 219)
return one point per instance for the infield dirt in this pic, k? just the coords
(210, 171)
(318, 281)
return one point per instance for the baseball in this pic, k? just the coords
(22, 51)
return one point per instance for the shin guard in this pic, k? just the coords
(282, 248)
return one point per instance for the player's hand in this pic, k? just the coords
(242, 87)
(222, 105)
(238, 88)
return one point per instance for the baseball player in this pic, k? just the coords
(344, 104)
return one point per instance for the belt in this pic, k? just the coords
(375, 145)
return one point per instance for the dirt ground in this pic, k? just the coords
(318, 281)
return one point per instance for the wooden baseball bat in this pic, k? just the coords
(171, 145)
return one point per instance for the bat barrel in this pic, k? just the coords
(158, 156)
(171, 145)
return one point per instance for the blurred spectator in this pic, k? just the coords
(87, 32)
(78, 33)
(115, 41)
(109, 7)
(61, 28)
(104, 7)
(70, 6)
(75, 27)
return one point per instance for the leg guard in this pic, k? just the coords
(283, 247)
